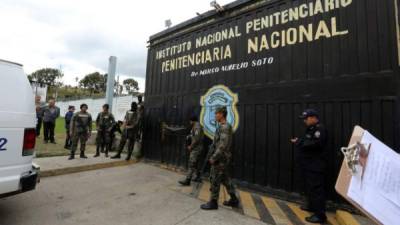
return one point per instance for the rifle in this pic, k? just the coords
(210, 152)
(188, 141)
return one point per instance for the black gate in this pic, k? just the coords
(351, 79)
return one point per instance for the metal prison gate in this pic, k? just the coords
(351, 79)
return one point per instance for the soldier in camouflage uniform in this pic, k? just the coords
(195, 148)
(80, 130)
(130, 126)
(220, 162)
(104, 124)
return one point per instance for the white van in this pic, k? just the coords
(17, 131)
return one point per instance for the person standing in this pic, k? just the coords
(80, 130)
(104, 124)
(313, 163)
(137, 150)
(220, 162)
(50, 113)
(195, 148)
(130, 129)
(140, 101)
(39, 116)
(68, 117)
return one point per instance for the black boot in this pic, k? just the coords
(316, 218)
(185, 182)
(72, 155)
(83, 156)
(97, 151)
(233, 202)
(211, 205)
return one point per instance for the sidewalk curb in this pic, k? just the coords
(77, 169)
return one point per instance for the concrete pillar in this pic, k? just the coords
(112, 65)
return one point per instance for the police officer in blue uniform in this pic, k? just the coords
(312, 159)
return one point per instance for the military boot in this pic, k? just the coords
(211, 205)
(83, 156)
(233, 201)
(97, 151)
(72, 155)
(185, 182)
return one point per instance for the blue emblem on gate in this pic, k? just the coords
(215, 97)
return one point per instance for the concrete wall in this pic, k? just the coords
(120, 105)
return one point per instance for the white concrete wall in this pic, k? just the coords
(120, 105)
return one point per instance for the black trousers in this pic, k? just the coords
(38, 126)
(315, 190)
(49, 131)
(68, 140)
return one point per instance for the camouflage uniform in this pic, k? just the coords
(219, 172)
(129, 133)
(81, 127)
(196, 145)
(104, 123)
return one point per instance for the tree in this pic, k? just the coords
(47, 76)
(131, 85)
(95, 82)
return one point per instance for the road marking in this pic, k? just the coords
(249, 207)
(345, 218)
(263, 211)
(276, 212)
(291, 215)
(332, 219)
(204, 193)
(223, 195)
(299, 213)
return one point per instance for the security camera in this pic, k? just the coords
(168, 23)
(217, 6)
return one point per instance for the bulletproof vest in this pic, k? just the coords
(105, 120)
(131, 117)
(82, 121)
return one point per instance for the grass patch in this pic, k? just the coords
(49, 150)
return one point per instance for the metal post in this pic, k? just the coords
(112, 64)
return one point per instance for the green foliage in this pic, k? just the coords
(47, 76)
(71, 93)
(131, 85)
(95, 82)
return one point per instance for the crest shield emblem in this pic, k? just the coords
(216, 97)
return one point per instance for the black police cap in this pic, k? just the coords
(308, 113)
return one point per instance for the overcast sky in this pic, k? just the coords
(79, 36)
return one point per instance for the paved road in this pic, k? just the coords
(139, 194)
